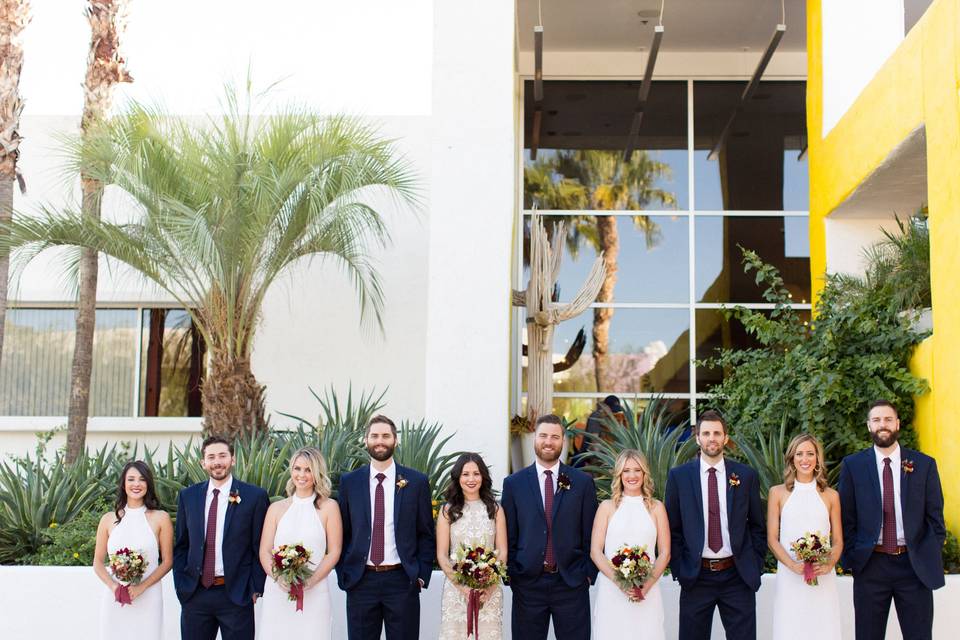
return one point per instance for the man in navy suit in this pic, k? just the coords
(893, 531)
(718, 537)
(388, 541)
(216, 571)
(549, 509)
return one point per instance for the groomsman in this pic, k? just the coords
(718, 537)
(893, 530)
(388, 541)
(216, 569)
(549, 509)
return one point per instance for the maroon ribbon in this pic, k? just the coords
(296, 593)
(122, 595)
(808, 573)
(638, 594)
(473, 613)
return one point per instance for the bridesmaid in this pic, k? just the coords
(471, 515)
(631, 516)
(804, 503)
(138, 523)
(309, 516)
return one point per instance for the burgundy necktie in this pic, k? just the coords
(548, 558)
(376, 548)
(714, 534)
(210, 544)
(889, 512)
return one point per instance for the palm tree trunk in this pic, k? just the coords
(233, 400)
(610, 245)
(105, 68)
(6, 211)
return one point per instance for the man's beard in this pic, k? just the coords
(384, 454)
(885, 437)
(219, 473)
(547, 457)
(711, 450)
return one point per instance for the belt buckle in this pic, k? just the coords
(713, 563)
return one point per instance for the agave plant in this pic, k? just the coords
(655, 431)
(421, 448)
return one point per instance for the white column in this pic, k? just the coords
(471, 212)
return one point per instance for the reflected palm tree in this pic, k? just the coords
(578, 180)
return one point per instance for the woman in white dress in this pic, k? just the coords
(472, 516)
(310, 517)
(631, 516)
(803, 504)
(139, 524)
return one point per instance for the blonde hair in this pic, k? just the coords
(616, 484)
(790, 470)
(318, 466)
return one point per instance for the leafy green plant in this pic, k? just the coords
(951, 554)
(421, 447)
(819, 376)
(71, 544)
(765, 454)
(655, 431)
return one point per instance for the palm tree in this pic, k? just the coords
(225, 209)
(14, 16)
(105, 69)
(598, 180)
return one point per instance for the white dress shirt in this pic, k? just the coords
(223, 501)
(726, 550)
(895, 470)
(390, 553)
(543, 477)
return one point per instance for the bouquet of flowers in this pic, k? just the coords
(811, 549)
(631, 568)
(478, 568)
(128, 567)
(291, 563)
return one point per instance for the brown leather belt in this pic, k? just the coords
(550, 568)
(218, 581)
(900, 550)
(716, 564)
(380, 568)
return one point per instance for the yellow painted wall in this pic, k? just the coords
(918, 85)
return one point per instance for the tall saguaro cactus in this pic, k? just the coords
(543, 314)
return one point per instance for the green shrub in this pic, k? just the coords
(420, 447)
(820, 376)
(951, 554)
(71, 544)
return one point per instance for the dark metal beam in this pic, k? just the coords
(644, 92)
(537, 89)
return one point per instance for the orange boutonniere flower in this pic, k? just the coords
(734, 480)
(234, 497)
(401, 482)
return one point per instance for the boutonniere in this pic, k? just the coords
(734, 480)
(234, 497)
(401, 482)
(907, 466)
(563, 482)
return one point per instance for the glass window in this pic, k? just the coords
(757, 168)
(171, 364)
(714, 332)
(651, 256)
(781, 241)
(574, 146)
(37, 356)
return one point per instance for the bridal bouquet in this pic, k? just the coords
(478, 568)
(812, 549)
(291, 563)
(128, 567)
(631, 568)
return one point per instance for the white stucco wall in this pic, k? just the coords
(848, 237)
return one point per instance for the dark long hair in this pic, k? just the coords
(149, 500)
(454, 495)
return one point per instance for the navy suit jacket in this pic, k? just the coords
(745, 521)
(573, 512)
(921, 503)
(241, 541)
(412, 525)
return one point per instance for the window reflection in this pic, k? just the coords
(171, 365)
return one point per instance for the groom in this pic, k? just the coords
(388, 541)
(216, 569)
(892, 507)
(718, 537)
(549, 509)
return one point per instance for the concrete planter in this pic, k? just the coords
(64, 602)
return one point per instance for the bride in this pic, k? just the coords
(311, 518)
(804, 503)
(634, 517)
(139, 524)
